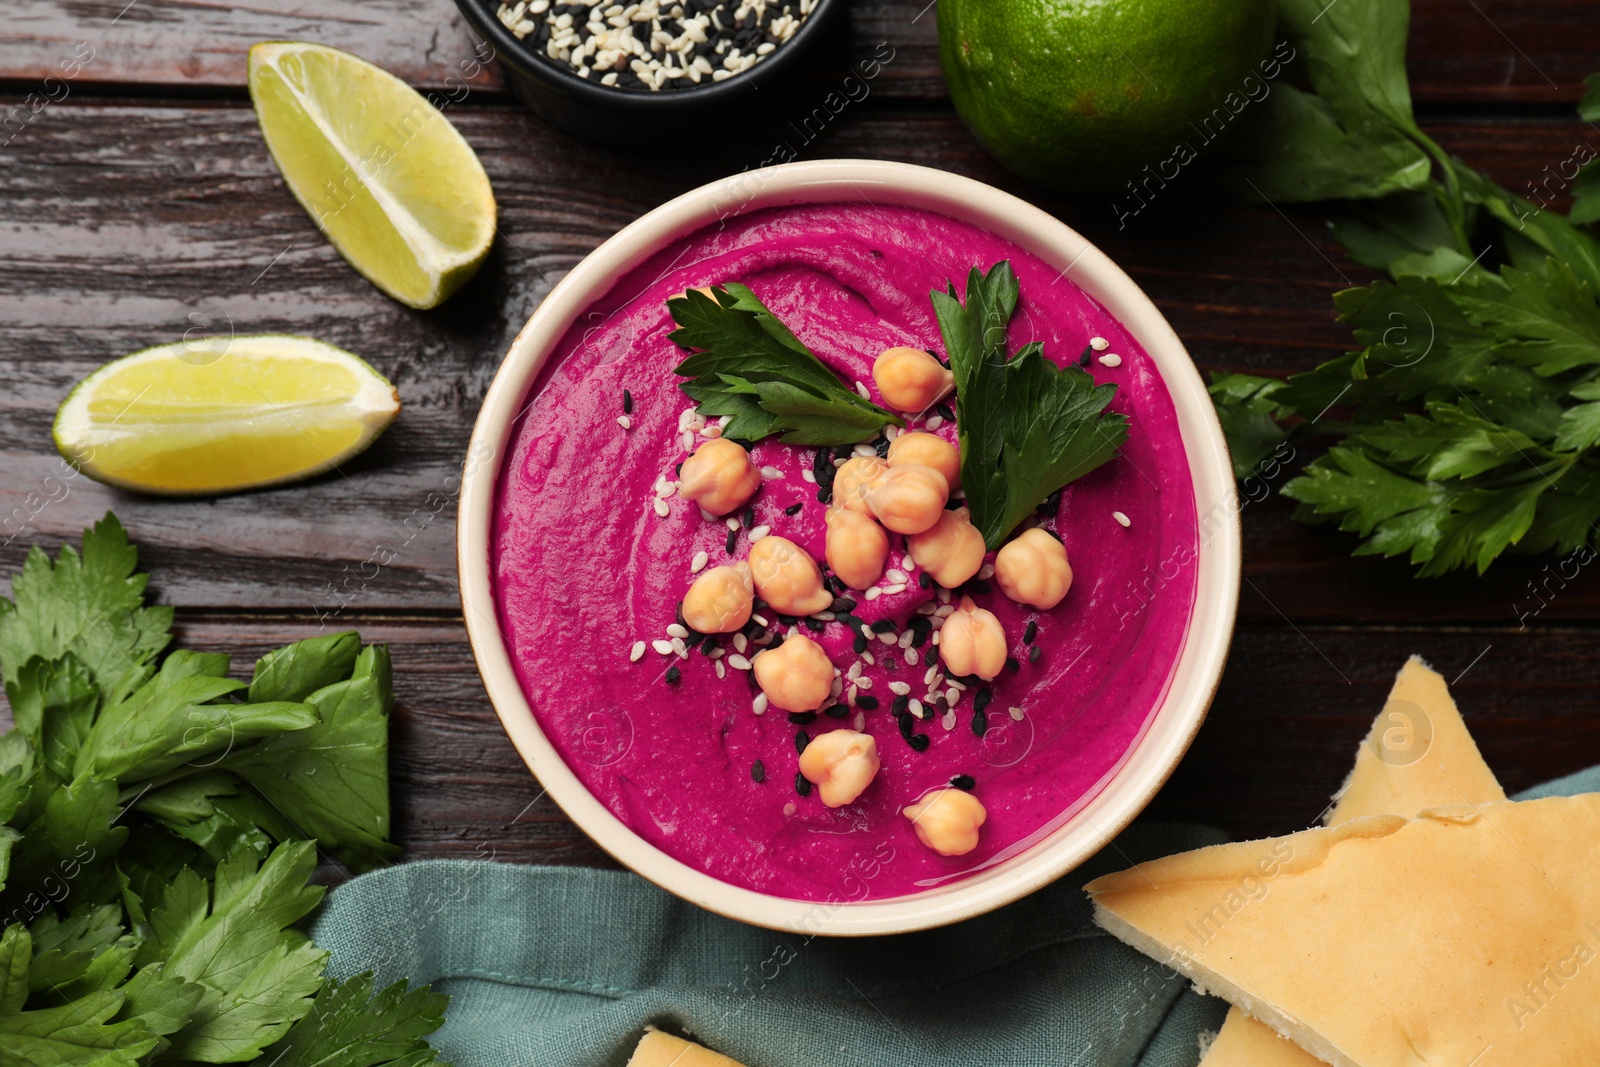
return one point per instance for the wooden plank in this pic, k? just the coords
(128, 226)
(1278, 742)
(1499, 51)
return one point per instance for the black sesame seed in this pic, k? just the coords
(1012, 664)
(842, 605)
(794, 509)
(945, 412)
(673, 674)
(825, 495)
(964, 781)
(733, 541)
(677, 468)
(901, 705)
(801, 786)
(844, 451)
(925, 580)
(1052, 533)
(693, 640)
(1030, 631)
(953, 503)
(815, 625)
(881, 446)
(1052, 503)
(709, 645)
(978, 585)
(980, 723)
(919, 742)
(787, 620)
(758, 771)
(822, 460)
(908, 724)
(802, 718)
(981, 698)
(1034, 653)
(860, 644)
(749, 517)
(627, 402)
(1083, 360)
(870, 703)
(801, 740)
(678, 615)
(883, 626)
(837, 711)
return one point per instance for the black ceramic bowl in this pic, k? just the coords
(632, 117)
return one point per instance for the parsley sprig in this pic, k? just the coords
(752, 367)
(1466, 425)
(155, 835)
(1026, 426)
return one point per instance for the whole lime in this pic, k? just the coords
(1080, 95)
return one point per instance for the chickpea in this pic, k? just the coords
(841, 764)
(972, 642)
(857, 547)
(796, 675)
(1033, 569)
(719, 601)
(947, 820)
(930, 450)
(854, 479)
(719, 476)
(787, 577)
(951, 549)
(910, 498)
(910, 379)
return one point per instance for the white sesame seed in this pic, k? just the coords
(738, 662)
(862, 389)
(809, 476)
(913, 657)
(907, 563)
(740, 642)
(850, 696)
(986, 571)
(1111, 359)
(662, 646)
(885, 638)
(934, 422)
(677, 630)
(683, 418)
(895, 575)
(944, 611)
(771, 473)
(944, 596)
(953, 695)
(854, 672)
(759, 704)
(927, 607)
(905, 639)
(760, 620)
(660, 507)
(859, 721)
(1015, 713)
(758, 533)
(864, 683)
(706, 515)
(1121, 518)
(915, 707)
(865, 451)
(666, 488)
(718, 652)
(934, 640)
(899, 689)
(687, 441)
(1099, 344)
(835, 689)
(681, 647)
(638, 652)
(874, 593)
(891, 590)
(933, 672)
(867, 658)
(949, 720)
(823, 616)
(699, 562)
(625, 422)
(732, 524)
(722, 672)
(959, 686)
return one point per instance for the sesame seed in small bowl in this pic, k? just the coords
(645, 72)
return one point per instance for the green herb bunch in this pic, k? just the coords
(1466, 425)
(157, 829)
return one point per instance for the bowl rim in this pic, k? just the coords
(1168, 730)
(528, 65)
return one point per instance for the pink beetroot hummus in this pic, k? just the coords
(585, 567)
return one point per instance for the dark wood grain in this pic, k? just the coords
(1497, 51)
(127, 226)
(1279, 740)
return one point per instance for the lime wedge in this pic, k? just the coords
(223, 414)
(380, 170)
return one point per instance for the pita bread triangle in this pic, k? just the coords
(1408, 762)
(1462, 937)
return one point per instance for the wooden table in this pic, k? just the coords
(139, 202)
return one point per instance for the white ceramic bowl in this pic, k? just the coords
(1168, 732)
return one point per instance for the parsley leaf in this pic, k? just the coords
(751, 367)
(82, 1031)
(90, 604)
(349, 1026)
(1026, 426)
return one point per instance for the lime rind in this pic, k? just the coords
(372, 408)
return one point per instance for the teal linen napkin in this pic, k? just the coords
(564, 967)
